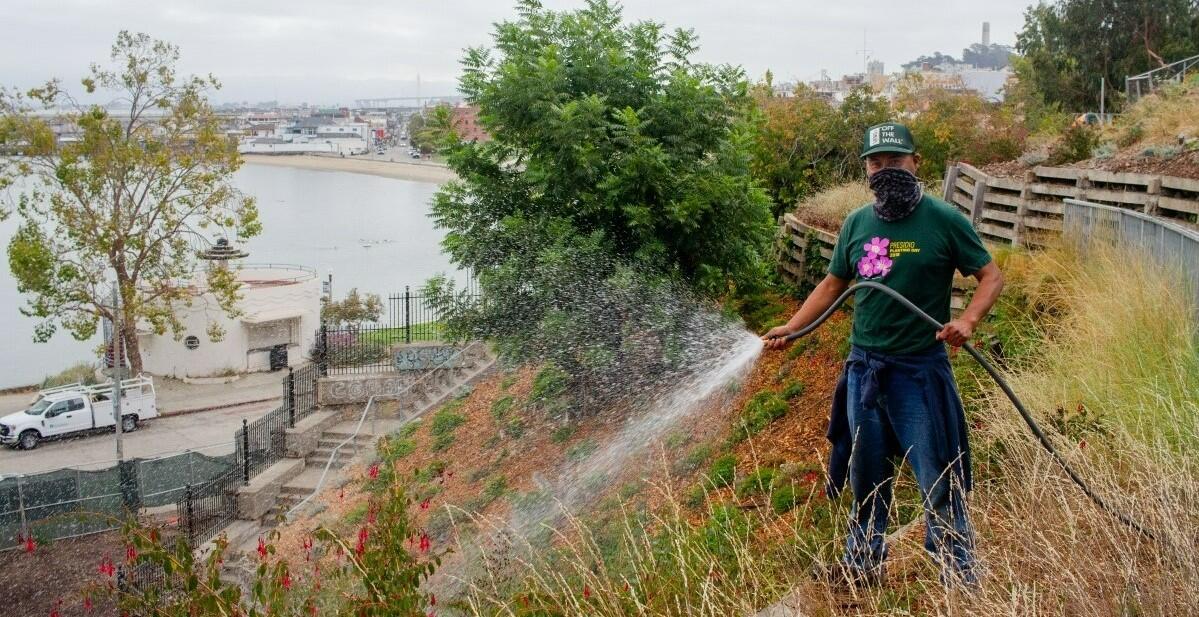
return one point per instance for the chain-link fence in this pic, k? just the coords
(67, 503)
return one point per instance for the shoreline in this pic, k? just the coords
(416, 172)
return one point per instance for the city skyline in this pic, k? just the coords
(297, 52)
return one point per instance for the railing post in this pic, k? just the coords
(407, 315)
(187, 497)
(291, 398)
(21, 507)
(245, 451)
(322, 357)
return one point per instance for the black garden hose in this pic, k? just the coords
(1003, 385)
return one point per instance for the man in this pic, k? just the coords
(896, 399)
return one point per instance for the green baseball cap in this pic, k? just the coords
(887, 137)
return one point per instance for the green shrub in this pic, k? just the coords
(80, 372)
(801, 346)
(563, 434)
(409, 429)
(695, 496)
(581, 450)
(494, 489)
(446, 420)
(693, 459)
(757, 482)
(441, 442)
(783, 499)
(515, 428)
(723, 470)
(794, 390)
(391, 450)
(549, 384)
(500, 407)
(507, 382)
(761, 410)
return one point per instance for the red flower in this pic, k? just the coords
(286, 580)
(373, 472)
(424, 542)
(586, 592)
(87, 604)
(361, 547)
(424, 505)
(261, 548)
(154, 535)
(130, 554)
(811, 477)
(106, 567)
(54, 609)
(432, 600)
(30, 544)
(626, 586)
(1082, 445)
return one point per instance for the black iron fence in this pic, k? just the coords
(411, 317)
(208, 508)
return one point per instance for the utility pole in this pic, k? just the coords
(1102, 96)
(116, 366)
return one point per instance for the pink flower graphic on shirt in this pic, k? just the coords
(877, 247)
(875, 261)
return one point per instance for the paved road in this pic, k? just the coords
(210, 432)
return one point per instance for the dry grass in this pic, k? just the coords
(828, 209)
(1161, 118)
(1119, 337)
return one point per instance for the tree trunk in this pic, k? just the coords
(133, 350)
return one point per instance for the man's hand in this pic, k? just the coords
(956, 332)
(775, 338)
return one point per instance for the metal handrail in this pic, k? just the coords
(354, 436)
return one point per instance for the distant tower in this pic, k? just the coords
(874, 67)
(986, 34)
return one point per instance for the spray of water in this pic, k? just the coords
(717, 354)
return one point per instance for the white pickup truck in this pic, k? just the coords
(76, 408)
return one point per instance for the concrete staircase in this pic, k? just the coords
(427, 395)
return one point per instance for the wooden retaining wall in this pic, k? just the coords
(1025, 211)
(1017, 211)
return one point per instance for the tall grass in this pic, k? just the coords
(1117, 356)
(828, 208)
(1162, 117)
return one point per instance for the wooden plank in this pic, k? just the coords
(1061, 173)
(976, 206)
(1000, 215)
(1009, 184)
(1043, 223)
(1180, 184)
(1100, 175)
(951, 178)
(1048, 207)
(1178, 205)
(1003, 199)
(1120, 197)
(973, 172)
(995, 230)
(1058, 190)
(964, 186)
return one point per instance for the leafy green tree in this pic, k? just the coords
(1070, 44)
(803, 144)
(354, 308)
(139, 192)
(618, 169)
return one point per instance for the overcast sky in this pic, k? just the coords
(336, 51)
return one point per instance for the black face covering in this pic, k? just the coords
(897, 192)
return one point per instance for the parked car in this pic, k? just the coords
(76, 408)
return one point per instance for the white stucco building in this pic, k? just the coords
(280, 309)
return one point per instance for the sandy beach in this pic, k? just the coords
(418, 172)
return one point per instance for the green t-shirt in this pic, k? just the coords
(915, 256)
